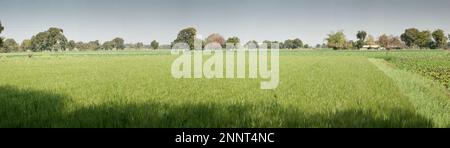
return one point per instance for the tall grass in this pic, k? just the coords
(87, 90)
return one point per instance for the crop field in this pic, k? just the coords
(136, 89)
(435, 67)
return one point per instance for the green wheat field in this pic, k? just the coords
(322, 88)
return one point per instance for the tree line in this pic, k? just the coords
(188, 36)
(412, 38)
(53, 39)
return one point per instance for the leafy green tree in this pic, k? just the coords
(251, 44)
(336, 40)
(280, 44)
(154, 44)
(119, 43)
(187, 36)
(416, 38)
(269, 43)
(139, 45)
(39, 42)
(297, 43)
(26, 45)
(235, 41)
(288, 44)
(360, 44)
(424, 39)
(71, 45)
(56, 39)
(51, 40)
(448, 44)
(410, 36)
(108, 45)
(350, 44)
(93, 45)
(2, 49)
(1, 29)
(306, 46)
(440, 39)
(10, 45)
(361, 36)
(80, 46)
(293, 44)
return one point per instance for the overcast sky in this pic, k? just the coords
(147, 20)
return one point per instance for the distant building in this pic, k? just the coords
(368, 47)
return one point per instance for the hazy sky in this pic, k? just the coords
(146, 20)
